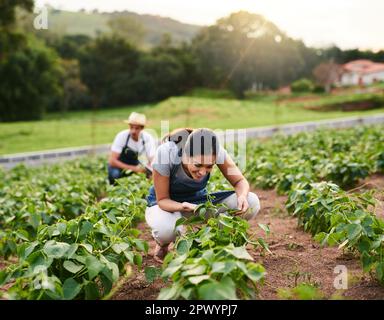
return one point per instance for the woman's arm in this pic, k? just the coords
(234, 176)
(161, 184)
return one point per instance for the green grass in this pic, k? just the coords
(90, 128)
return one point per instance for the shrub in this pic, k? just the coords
(302, 85)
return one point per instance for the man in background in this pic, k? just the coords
(128, 146)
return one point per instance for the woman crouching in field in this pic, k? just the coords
(181, 170)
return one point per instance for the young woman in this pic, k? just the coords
(181, 170)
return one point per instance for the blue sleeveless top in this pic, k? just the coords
(183, 188)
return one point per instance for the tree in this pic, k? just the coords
(74, 94)
(106, 66)
(28, 69)
(183, 53)
(158, 76)
(28, 79)
(70, 46)
(327, 74)
(243, 49)
(8, 10)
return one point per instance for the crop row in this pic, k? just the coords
(82, 257)
(70, 245)
(342, 157)
(312, 168)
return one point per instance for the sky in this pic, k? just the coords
(346, 23)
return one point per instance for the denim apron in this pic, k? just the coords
(183, 188)
(127, 156)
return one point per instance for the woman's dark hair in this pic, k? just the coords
(194, 142)
(178, 136)
(202, 142)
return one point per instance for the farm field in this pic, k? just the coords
(65, 234)
(200, 108)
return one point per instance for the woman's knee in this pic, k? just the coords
(253, 202)
(162, 224)
(254, 206)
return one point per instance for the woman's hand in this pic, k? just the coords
(139, 169)
(242, 204)
(188, 207)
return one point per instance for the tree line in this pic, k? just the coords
(41, 72)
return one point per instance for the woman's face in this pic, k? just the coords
(199, 166)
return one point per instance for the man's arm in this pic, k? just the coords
(116, 163)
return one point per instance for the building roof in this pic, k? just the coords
(363, 67)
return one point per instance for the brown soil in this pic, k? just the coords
(299, 99)
(137, 288)
(295, 258)
(346, 106)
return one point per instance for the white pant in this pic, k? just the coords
(163, 222)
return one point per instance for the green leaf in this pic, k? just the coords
(138, 260)
(380, 272)
(152, 273)
(194, 271)
(111, 216)
(353, 231)
(72, 250)
(91, 291)
(223, 290)
(239, 252)
(71, 289)
(141, 245)
(94, 266)
(168, 293)
(170, 270)
(28, 249)
(86, 226)
(61, 226)
(182, 247)
(23, 235)
(197, 279)
(180, 221)
(223, 267)
(364, 245)
(120, 247)
(367, 261)
(55, 249)
(72, 267)
(264, 227)
(129, 255)
(87, 246)
(254, 271)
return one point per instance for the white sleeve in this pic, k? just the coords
(119, 142)
(150, 147)
(162, 161)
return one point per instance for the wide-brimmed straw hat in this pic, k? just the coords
(137, 119)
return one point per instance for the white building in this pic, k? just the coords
(361, 72)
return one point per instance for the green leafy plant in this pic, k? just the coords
(211, 261)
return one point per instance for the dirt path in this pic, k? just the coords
(295, 258)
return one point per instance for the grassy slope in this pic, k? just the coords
(66, 22)
(201, 110)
